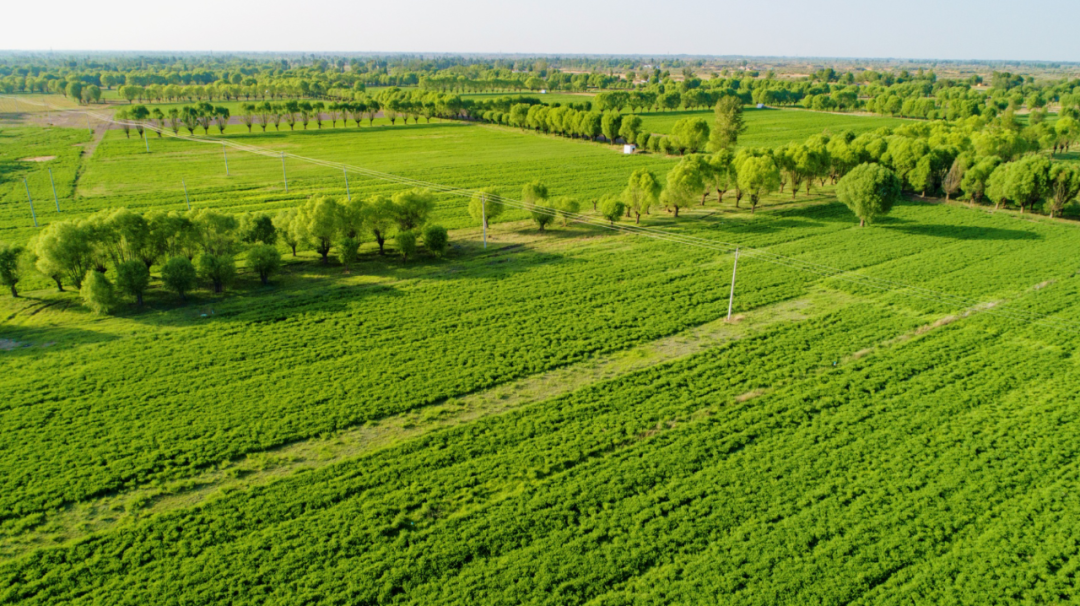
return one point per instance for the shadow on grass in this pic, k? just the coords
(959, 232)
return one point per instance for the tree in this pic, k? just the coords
(1064, 185)
(406, 243)
(320, 222)
(219, 270)
(257, 227)
(641, 193)
(997, 185)
(728, 123)
(379, 218)
(630, 128)
(132, 277)
(10, 254)
(97, 293)
(248, 113)
(758, 176)
(567, 207)
(349, 251)
(411, 208)
(869, 190)
(264, 260)
(955, 177)
(63, 249)
(685, 182)
(436, 239)
(221, 118)
(1029, 181)
(975, 178)
(286, 225)
(178, 275)
(720, 172)
(690, 134)
(609, 125)
(485, 200)
(612, 208)
(535, 195)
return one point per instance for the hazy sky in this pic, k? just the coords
(946, 29)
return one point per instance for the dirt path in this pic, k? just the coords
(99, 515)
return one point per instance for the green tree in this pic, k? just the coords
(642, 193)
(257, 227)
(405, 241)
(219, 270)
(535, 195)
(630, 128)
(97, 293)
(349, 251)
(264, 260)
(869, 190)
(436, 240)
(976, 176)
(178, 275)
(690, 134)
(63, 249)
(320, 222)
(610, 124)
(10, 255)
(412, 208)
(728, 124)
(685, 182)
(485, 200)
(757, 177)
(567, 207)
(132, 278)
(379, 214)
(1064, 185)
(612, 208)
(1029, 181)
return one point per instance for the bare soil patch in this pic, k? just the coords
(38, 159)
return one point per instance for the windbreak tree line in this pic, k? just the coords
(109, 255)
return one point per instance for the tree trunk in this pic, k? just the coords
(637, 220)
(293, 247)
(138, 299)
(381, 239)
(676, 212)
(59, 284)
(14, 292)
(862, 222)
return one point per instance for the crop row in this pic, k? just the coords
(838, 484)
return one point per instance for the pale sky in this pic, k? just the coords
(918, 29)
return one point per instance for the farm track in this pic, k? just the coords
(109, 512)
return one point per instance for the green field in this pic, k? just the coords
(775, 127)
(562, 418)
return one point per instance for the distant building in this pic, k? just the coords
(628, 148)
(543, 91)
(761, 106)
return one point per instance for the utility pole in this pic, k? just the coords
(32, 213)
(346, 173)
(55, 197)
(186, 198)
(283, 173)
(225, 155)
(483, 213)
(88, 127)
(731, 299)
(146, 141)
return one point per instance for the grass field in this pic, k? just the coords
(775, 127)
(564, 418)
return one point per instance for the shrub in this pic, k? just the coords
(436, 239)
(406, 243)
(264, 260)
(97, 293)
(132, 277)
(178, 274)
(219, 270)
